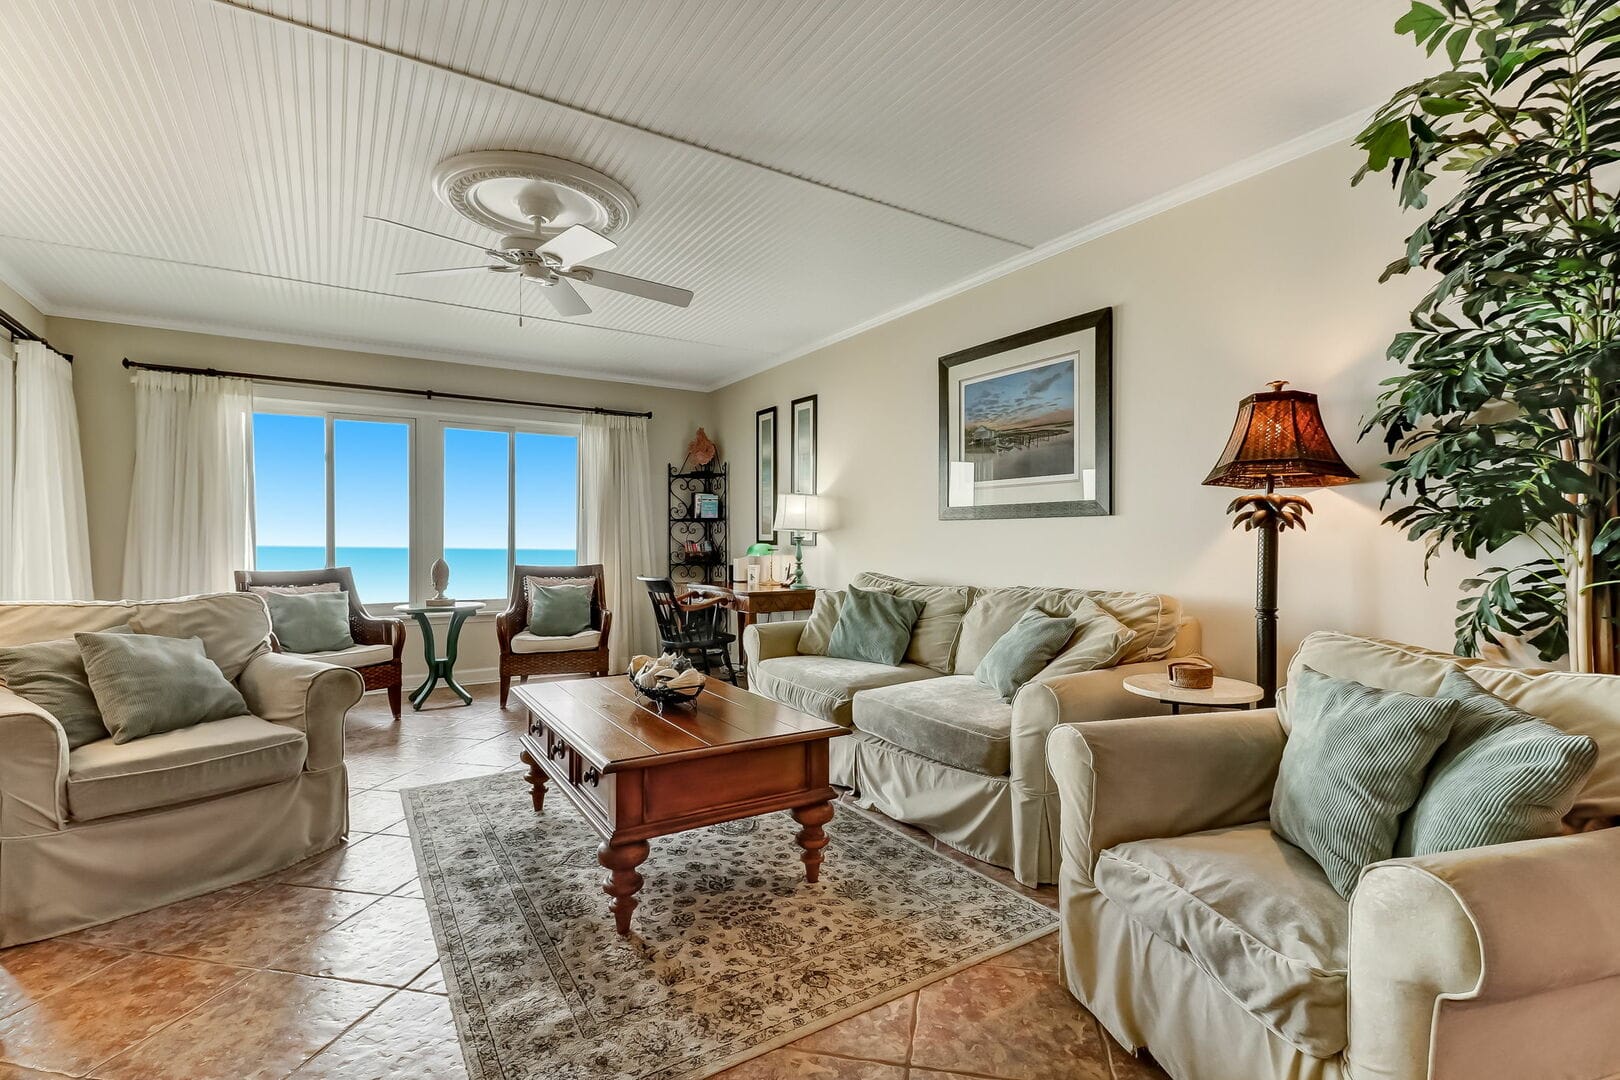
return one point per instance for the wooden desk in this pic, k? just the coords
(749, 604)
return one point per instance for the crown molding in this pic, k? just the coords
(1337, 132)
(14, 282)
(350, 345)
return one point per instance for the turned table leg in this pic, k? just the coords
(812, 838)
(622, 883)
(537, 781)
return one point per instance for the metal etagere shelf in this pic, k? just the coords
(697, 544)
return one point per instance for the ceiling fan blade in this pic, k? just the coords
(648, 290)
(576, 244)
(454, 270)
(425, 232)
(565, 298)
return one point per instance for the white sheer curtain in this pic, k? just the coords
(616, 496)
(191, 504)
(49, 556)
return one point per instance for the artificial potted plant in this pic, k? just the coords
(1506, 418)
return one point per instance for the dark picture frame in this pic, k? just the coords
(798, 482)
(765, 474)
(1101, 371)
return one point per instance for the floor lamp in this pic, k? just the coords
(1279, 440)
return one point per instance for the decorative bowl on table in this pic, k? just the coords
(666, 680)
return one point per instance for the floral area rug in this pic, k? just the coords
(731, 952)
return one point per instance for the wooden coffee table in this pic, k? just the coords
(635, 773)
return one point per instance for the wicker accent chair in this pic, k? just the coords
(523, 654)
(370, 633)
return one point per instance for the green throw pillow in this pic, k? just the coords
(1502, 776)
(145, 684)
(51, 675)
(559, 610)
(873, 626)
(310, 622)
(1353, 764)
(1020, 653)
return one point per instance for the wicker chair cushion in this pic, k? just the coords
(583, 641)
(357, 656)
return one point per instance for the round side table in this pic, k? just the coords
(440, 667)
(1225, 694)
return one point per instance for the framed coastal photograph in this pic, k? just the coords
(803, 442)
(1025, 423)
(765, 474)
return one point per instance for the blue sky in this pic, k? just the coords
(372, 485)
(1045, 393)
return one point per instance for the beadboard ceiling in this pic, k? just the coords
(804, 166)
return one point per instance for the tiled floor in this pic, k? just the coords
(328, 969)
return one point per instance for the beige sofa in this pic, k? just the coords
(107, 830)
(933, 747)
(1190, 929)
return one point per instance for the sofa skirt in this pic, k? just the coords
(968, 811)
(96, 871)
(1149, 993)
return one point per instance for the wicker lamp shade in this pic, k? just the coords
(1279, 440)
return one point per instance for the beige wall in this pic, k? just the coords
(105, 400)
(1272, 278)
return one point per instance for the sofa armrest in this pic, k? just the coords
(1437, 937)
(306, 694)
(33, 768)
(1157, 776)
(767, 641)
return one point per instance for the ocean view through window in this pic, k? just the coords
(340, 491)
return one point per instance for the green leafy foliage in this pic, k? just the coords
(1505, 420)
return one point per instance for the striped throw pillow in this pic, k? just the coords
(1353, 764)
(1502, 776)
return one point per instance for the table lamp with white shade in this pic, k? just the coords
(797, 515)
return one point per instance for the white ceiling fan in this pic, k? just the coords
(554, 265)
(546, 206)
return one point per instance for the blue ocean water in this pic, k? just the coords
(382, 574)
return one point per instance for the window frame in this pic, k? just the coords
(426, 423)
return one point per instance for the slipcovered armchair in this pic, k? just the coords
(1190, 929)
(378, 642)
(104, 830)
(524, 654)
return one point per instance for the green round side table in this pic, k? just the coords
(440, 667)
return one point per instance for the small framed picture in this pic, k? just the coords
(706, 506)
(803, 441)
(765, 474)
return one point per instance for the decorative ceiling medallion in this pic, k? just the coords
(513, 192)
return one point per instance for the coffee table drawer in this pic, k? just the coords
(681, 788)
(565, 769)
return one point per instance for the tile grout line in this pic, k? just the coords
(149, 1036)
(328, 1043)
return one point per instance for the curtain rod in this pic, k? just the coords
(19, 332)
(406, 391)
